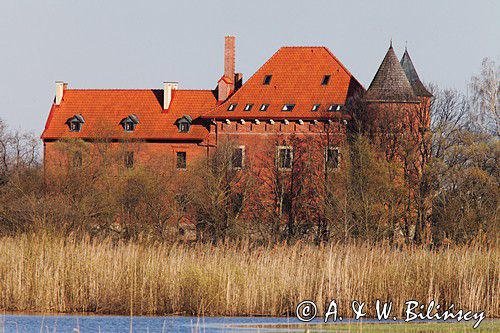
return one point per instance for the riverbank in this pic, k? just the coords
(66, 275)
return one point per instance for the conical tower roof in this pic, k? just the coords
(390, 84)
(411, 73)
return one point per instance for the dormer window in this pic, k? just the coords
(334, 107)
(325, 81)
(184, 124)
(75, 123)
(288, 107)
(248, 107)
(231, 107)
(129, 123)
(264, 107)
(315, 107)
(267, 80)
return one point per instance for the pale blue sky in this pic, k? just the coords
(140, 44)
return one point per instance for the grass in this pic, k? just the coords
(53, 274)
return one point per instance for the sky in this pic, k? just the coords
(141, 44)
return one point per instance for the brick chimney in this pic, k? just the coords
(168, 87)
(60, 88)
(229, 57)
(225, 85)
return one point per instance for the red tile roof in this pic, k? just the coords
(103, 110)
(297, 74)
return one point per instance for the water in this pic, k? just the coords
(115, 324)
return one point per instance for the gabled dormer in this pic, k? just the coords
(184, 123)
(75, 123)
(129, 123)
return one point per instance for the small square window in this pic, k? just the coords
(288, 107)
(332, 157)
(129, 126)
(231, 107)
(326, 79)
(238, 158)
(75, 126)
(129, 159)
(181, 160)
(264, 107)
(184, 127)
(248, 107)
(332, 107)
(267, 80)
(285, 157)
(315, 107)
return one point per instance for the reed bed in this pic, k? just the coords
(52, 274)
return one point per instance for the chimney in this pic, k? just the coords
(167, 93)
(229, 57)
(60, 88)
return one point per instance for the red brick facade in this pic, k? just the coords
(300, 91)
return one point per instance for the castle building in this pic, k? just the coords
(299, 91)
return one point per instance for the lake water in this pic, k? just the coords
(112, 324)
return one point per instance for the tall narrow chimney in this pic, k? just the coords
(60, 87)
(229, 57)
(167, 93)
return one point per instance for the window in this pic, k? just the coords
(315, 107)
(77, 159)
(231, 107)
(285, 157)
(288, 107)
(129, 159)
(334, 107)
(264, 107)
(183, 127)
(325, 81)
(332, 157)
(238, 158)
(75, 123)
(248, 107)
(181, 160)
(129, 123)
(75, 126)
(129, 126)
(267, 80)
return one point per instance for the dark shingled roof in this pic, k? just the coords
(417, 85)
(390, 83)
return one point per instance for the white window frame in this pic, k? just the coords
(264, 107)
(278, 149)
(232, 106)
(248, 107)
(315, 107)
(243, 149)
(285, 107)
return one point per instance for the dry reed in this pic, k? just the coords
(43, 273)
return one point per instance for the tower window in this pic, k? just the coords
(285, 157)
(181, 160)
(315, 107)
(332, 157)
(264, 107)
(231, 107)
(129, 159)
(267, 80)
(248, 107)
(326, 79)
(288, 107)
(238, 158)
